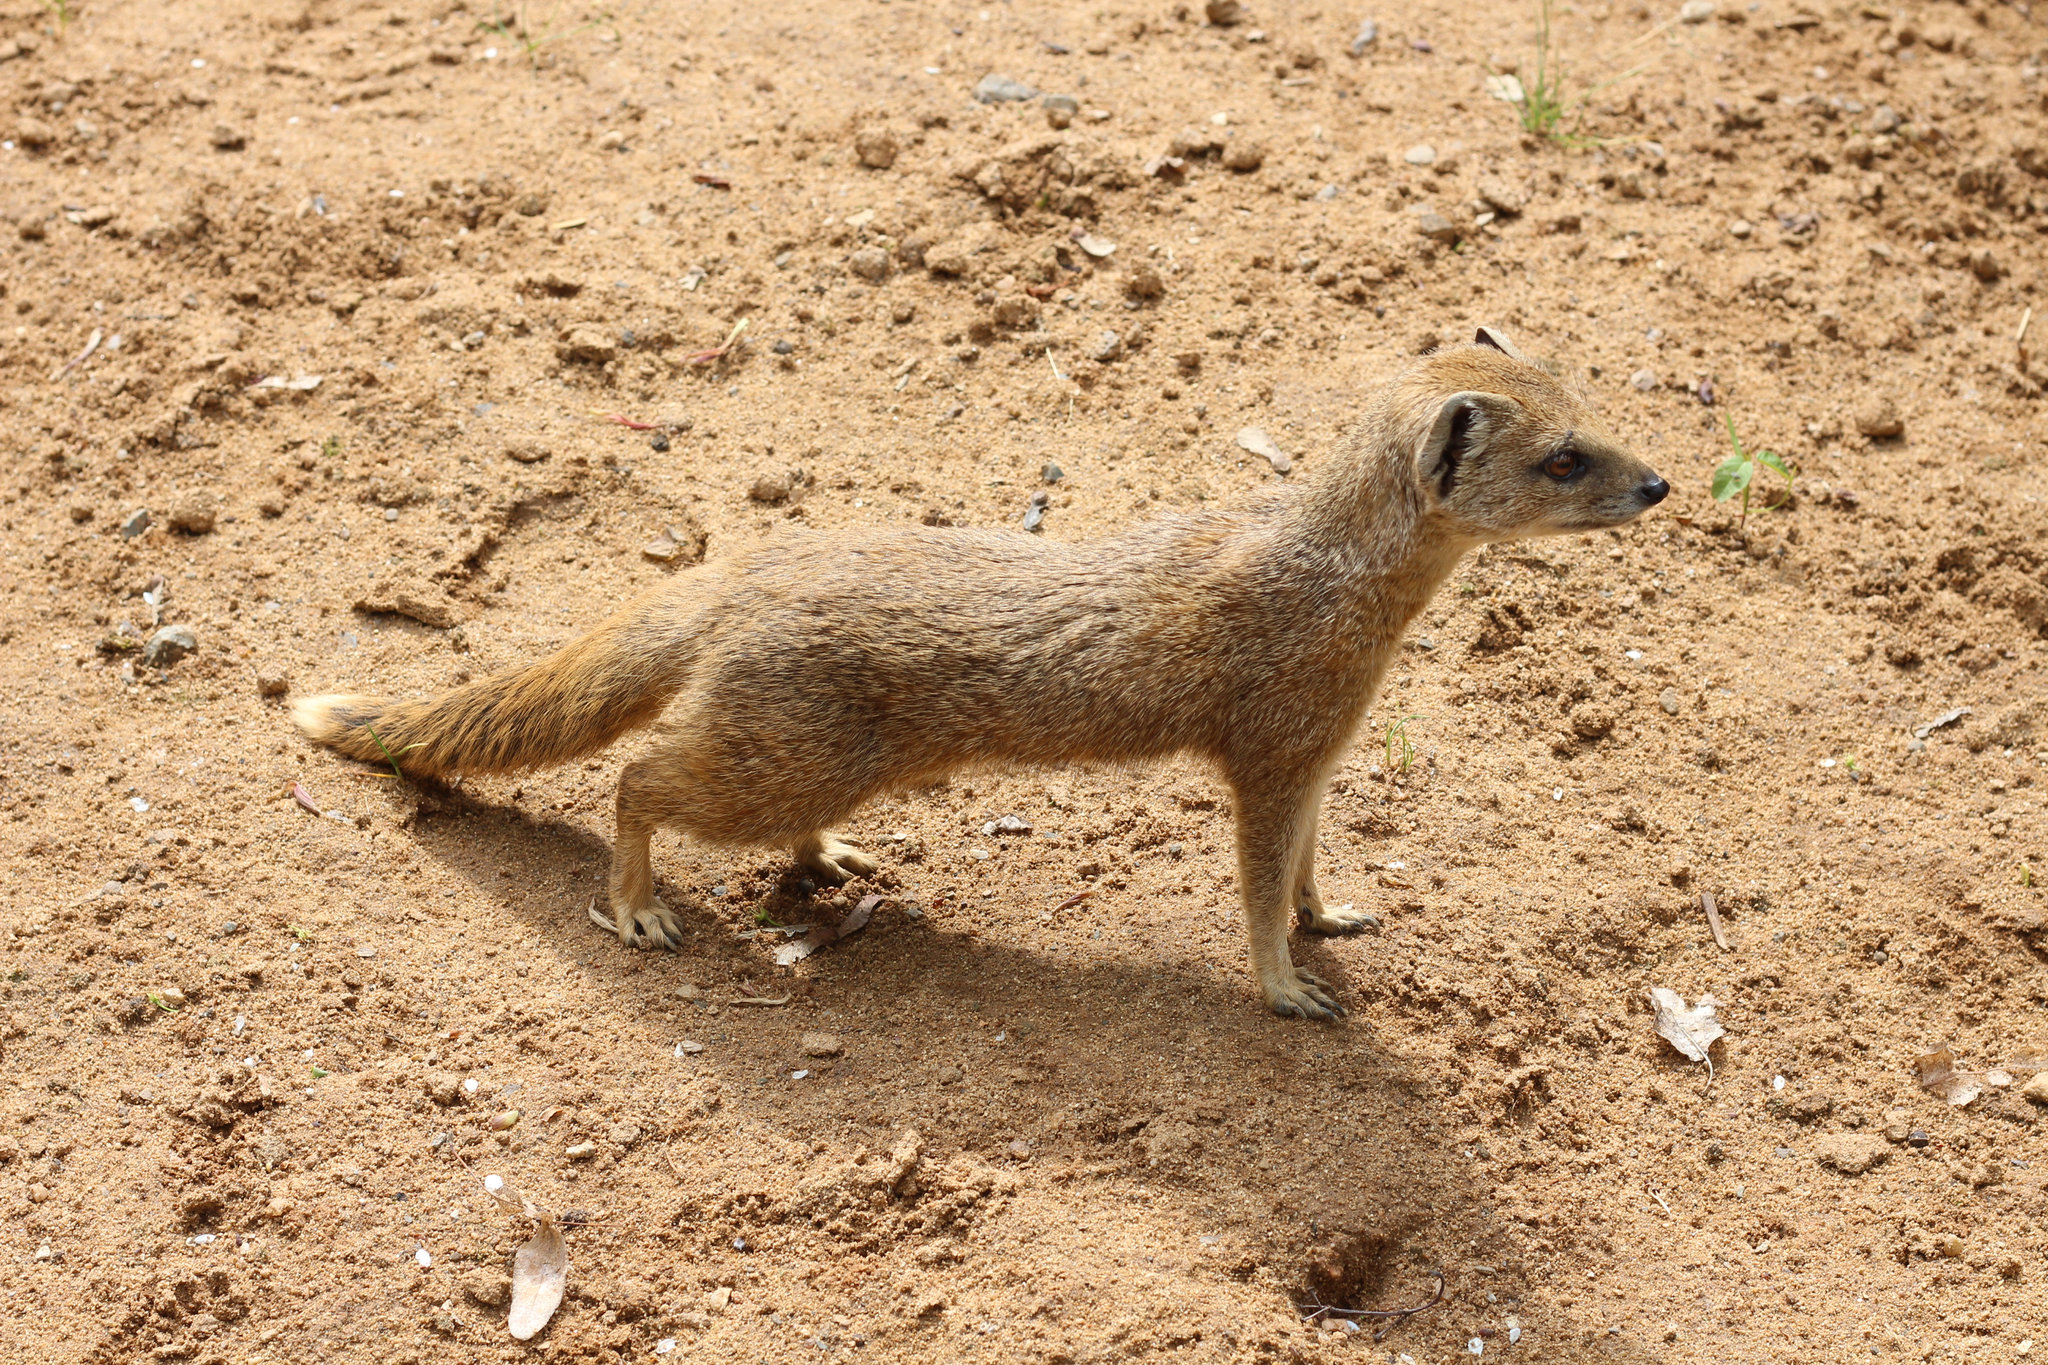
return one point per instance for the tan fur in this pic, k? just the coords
(822, 670)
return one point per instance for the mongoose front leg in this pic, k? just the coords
(1271, 831)
(643, 921)
(831, 859)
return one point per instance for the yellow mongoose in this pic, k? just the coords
(812, 674)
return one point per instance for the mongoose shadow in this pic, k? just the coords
(795, 683)
(1184, 1093)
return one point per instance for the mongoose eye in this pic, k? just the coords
(1562, 465)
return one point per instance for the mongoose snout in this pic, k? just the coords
(800, 680)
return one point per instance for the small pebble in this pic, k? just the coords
(1643, 380)
(1421, 154)
(192, 513)
(820, 1045)
(135, 523)
(1741, 227)
(1878, 417)
(875, 148)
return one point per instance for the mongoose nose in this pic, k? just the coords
(1654, 491)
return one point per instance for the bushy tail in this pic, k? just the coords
(615, 679)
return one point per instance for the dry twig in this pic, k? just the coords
(1714, 919)
(718, 353)
(1395, 1316)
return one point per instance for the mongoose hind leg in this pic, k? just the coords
(831, 859)
(1275, 830)
(643, 921)
(1310, 911)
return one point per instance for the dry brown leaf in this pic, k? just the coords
(1939, 1077)
(1691, 1031)
(825, 934)
(2029, 1056)
(540, 1268)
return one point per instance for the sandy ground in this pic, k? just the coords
(253, 1051)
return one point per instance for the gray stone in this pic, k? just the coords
(1107, 347)
(135, 523)
(1368, 34)
(994, 89)
(1643, 380)
(870, 264)
(1064, 104)
(1436, 227)
(1696, 11)
(169, 645)
(1885, 119)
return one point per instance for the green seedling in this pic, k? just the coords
(1546, 109)
(161, 1004)
(1543, 101)
(331, 448)
(302, 934)
(318, 1074)
(520, 28)
(2026, 875)
(61, 13)
(1737, 473)
(390, 757)
(1400, 750)
(764, 919)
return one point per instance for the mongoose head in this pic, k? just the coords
(1509, 452)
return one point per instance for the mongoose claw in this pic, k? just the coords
(1341, 919)
(652, 927)
(1305, 996)
(835, 861)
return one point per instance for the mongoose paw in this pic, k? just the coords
(838, 862)
(653, 926)
(1298, 994)
(1320, 919)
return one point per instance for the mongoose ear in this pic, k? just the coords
(1488, 337)
(1463, 425)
